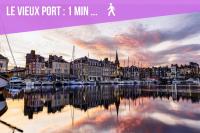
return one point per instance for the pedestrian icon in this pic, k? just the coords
(111, 10)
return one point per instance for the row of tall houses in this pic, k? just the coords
(3, 63)
(187, 71)
(57, 66)
(190, 70)
(90, 69)
(36, 65)
(82, 68)
(85, 68)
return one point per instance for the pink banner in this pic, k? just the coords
(23, 15)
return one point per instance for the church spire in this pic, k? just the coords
(116, 59)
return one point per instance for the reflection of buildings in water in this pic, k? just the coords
(58, 100)
(175, 92)
(32, 104)
(92, 96)
(54, 101)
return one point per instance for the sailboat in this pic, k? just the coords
(3, 105)
(4, 76)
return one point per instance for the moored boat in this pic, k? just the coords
(37, 83)
(14, 91)
(116, 81)
(89, 82)
(176, 81)
(75, 82)
(28, 83)
(137, 82)
(192, 81)
(15, 81)
(3, 104)
(47, 83)
(105, 82)
(57, 83)
(3, 82)
(65, 82)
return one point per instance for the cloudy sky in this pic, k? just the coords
(150, 41)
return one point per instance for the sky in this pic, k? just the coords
(156, 41)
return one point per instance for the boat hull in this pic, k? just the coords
(58, 83)
(75, 83)
(3, 82)
(3, 105)
(47, 83)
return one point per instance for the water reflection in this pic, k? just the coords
(108, 108)
(86, 97)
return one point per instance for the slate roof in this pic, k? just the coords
(3, 57)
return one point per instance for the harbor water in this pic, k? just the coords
(104, 109)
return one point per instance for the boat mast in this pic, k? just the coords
(128, 61)
(128, 68)
(11, 50)
(72, 60)
(4, 29)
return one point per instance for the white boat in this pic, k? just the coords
(116, 81)
(47, 83)
(37, 83)
(175, 81)
(65, 82)
(192, 81)
(31, 88)
(28, 83)
(15, 81)
(89, 82)
(151, 81)
(27, 89)
(14, 91)
(127, 82)
(3, 82)
(75, 82)
(75, 86)
(3, 104)
(31, 83)
(137, 82)
(105, 82)
(47, 88)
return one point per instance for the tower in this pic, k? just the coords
(117, 60)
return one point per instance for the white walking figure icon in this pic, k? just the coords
(111, 10)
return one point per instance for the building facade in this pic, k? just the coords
(3, 63)
(131, 72)
(19, 72)
(108, 70)
(35, 64)
(58, 67)
(174, 70)
(87, 69)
